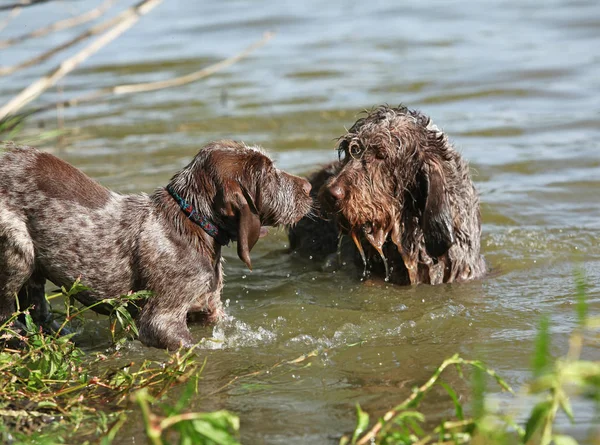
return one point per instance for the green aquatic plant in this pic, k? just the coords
(554, 382)
(51, 390)
(176, 426)
(403, 423)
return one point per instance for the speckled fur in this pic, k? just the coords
(58, 224)
(402, 188)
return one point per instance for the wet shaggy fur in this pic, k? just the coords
(404, 195)
(57, 224)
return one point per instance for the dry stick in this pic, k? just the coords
(94, 30)
(60, 25)
(15, 12)
(151, 86)
(22, 3)
(129, 18)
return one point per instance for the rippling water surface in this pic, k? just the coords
(516, 86)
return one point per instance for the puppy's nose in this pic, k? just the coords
(337, 192)
(306, 187)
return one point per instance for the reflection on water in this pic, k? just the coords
(515, 86)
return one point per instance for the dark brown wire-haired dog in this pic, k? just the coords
(404, 196)
(57, 224)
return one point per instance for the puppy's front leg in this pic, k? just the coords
(164, 325)
(162, 322)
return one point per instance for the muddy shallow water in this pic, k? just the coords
(514, 84)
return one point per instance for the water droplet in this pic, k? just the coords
(310, 257)
(243, 277)
(288, 275)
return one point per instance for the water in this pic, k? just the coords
(515, 85)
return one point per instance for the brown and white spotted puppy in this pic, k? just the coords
(57, 224)
(404, 195)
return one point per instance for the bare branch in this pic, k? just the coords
(152, 86)
(60, 25)
(22, 3)
(128, 19)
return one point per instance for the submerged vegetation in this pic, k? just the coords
(51, 391)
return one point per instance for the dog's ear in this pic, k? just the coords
(240, 205)
(436, 219)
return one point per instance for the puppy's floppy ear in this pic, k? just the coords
(436, 219)
(240, 205)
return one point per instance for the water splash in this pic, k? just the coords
(232, 333)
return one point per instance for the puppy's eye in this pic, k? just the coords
(356, 151)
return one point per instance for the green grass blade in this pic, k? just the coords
(362, 423)
(536, 419)
(541, 355)
(580, 293)
(457, 406)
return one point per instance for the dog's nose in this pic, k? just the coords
(336, 192)
(306, 187)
